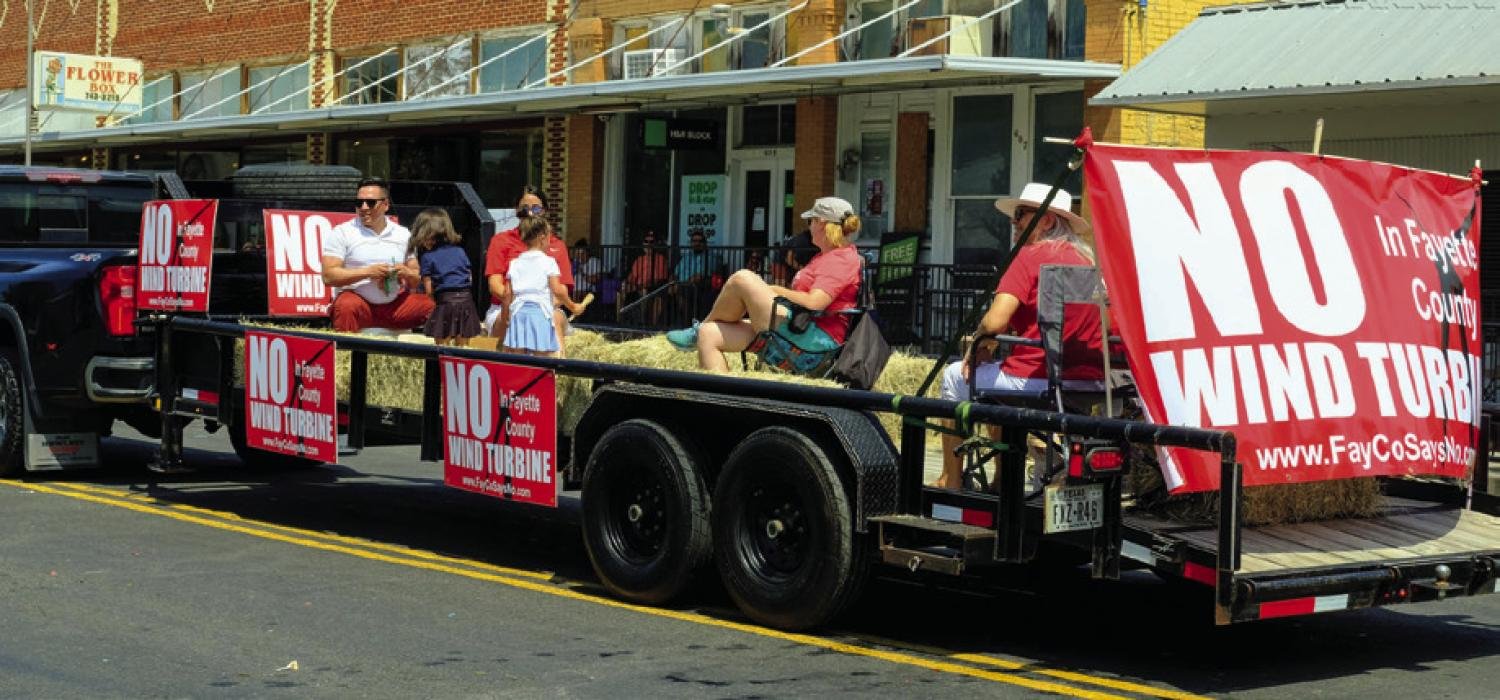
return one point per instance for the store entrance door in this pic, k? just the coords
(763, 213)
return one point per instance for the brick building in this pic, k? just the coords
(623, 110)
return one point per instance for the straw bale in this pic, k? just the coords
(1264, 505)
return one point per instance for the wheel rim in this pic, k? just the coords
(637, 519)
(772, 533)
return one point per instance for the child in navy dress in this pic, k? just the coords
(445, 276)
(535, 289)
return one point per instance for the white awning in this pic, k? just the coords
(717, 89)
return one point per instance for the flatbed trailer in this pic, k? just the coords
(795, 492)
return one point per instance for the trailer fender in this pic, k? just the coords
(718, 422)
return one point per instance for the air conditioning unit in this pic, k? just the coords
(971, 38)
(648, 62)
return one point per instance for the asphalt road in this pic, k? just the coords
(373, 579)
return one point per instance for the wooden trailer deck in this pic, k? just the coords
(1407, 530)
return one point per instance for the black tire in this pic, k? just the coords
(645, 511)
(263, 460)
(297, 181)
(784, 535)
(12, 418)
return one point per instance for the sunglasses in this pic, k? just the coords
(534, 209)
(1025, 211)
(371, 203)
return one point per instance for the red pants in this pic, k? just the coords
(352, 313)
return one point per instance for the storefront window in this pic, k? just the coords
(1058, 114)
(146, 160)
(875, 184)
(290, 153)
(410, 157)
(156, 102)
(207, 165)
(648, 188)
(525, 63)
(981, 173)
(371, 156)
(438, 70)
(281, 88)
(210, 93)
(508, 161)
(364, 85)
(768, 125)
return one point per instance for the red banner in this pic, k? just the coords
(1324, 310)
(500, 430)
(290, 406)
(294, 261)
(176, 254)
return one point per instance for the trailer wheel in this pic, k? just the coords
(263, 460)
(645, 511)
(783, 534)
(12, 420)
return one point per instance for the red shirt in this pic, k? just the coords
(507, 245)
(837, 273)
(1081, 356)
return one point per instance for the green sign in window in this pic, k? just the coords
(656, 133)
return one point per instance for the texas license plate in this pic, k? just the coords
(1072, 508)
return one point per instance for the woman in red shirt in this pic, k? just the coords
(505, 247)
(829, 283)
(1054, 241)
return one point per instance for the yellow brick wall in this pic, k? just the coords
(1119, 31)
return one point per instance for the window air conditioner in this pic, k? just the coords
(648, 62)
(971, 38)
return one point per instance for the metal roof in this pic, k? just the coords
(655, 93)
(1322, 47)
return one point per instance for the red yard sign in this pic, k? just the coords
(176, 254)
(1324, 310)
(290, 406)
(294, 261)
(500, 430)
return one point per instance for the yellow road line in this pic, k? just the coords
(326, 536)
(1126, 686)
(807, 640)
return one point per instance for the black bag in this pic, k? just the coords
(864, 354)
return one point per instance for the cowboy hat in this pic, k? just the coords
(1033, 194)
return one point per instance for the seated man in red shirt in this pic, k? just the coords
(1055, 241)
(746, 304)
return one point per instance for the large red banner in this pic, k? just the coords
(1324, 310)
(176, 254)
(294, 261)
(290, 406)
(500, 430)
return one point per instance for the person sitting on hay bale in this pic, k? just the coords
(367, 259)
(746, 304)
(1054, 241)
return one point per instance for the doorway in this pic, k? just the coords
(763, 212)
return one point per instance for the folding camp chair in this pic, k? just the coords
(781, 346)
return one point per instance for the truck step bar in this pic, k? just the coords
(917, 543)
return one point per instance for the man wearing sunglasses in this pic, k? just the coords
(365, 258)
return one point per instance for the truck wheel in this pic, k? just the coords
(260, 459)
(645, 511)
(783, 535)
(12, 420)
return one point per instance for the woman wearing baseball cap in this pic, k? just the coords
(1054, 241)
(829, 283)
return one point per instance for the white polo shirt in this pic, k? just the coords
(358, 246)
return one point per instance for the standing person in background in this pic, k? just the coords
(367, 259)
(445, 277)
(507, 246)
(647, 272)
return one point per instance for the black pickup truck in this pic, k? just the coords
(72, 360)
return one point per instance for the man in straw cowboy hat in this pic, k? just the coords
(1054, 241)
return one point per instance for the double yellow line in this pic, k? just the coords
(979, 666)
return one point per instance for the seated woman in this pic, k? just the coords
(1054, 241)
(744, 307)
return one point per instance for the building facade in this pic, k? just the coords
(633, 115)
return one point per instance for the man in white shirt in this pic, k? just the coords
(366, 259)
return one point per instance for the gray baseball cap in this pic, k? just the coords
(829, 209)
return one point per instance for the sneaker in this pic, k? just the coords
(684, 338)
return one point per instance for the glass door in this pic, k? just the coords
(764, 213)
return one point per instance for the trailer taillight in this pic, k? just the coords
(1106, 459)
(117, 296)
(1087, 459)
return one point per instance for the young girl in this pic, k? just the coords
(535, 289)
(445, 276)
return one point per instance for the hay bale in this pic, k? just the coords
(1277, 504)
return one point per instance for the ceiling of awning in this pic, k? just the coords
(649, 94)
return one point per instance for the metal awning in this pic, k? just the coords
(723, 88)
(1249, 57)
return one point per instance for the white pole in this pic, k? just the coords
(30, 80)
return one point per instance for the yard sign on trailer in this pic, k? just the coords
(294, 261)
(176, 254)
(290, 406)
(500, 430)
(1324, 310)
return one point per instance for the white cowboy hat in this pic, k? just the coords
(1033, 194)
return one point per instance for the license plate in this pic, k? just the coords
(1071, 508)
